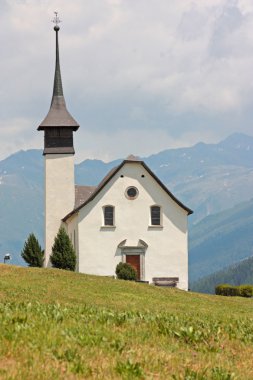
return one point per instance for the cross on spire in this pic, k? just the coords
(56, 21)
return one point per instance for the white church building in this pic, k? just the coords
(130, 216)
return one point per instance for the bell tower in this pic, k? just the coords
(58, 127)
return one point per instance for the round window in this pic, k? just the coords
(131, 192)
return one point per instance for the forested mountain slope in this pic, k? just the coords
(237, 274)
(220, 240)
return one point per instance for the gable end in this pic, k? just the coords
(112, 173)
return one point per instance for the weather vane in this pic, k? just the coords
(56, 20)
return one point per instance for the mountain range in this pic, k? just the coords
(208, 178)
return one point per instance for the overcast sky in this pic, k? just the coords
(139, 76)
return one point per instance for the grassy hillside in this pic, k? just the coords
(60, 325)
(221, 240)
(237, 274)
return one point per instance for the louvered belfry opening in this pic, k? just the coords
(58, 138)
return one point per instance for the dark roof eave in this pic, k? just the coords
(99, 188)
(43, 127)
(59, 150)
(187, 209)
(58, 116)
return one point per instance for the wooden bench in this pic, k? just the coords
(166, 281)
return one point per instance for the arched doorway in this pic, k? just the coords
(135, 256)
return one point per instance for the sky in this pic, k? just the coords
(139, 76)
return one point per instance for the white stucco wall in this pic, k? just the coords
(72, 229)
(167, 251)
(59, 195)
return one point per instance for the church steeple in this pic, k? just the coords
(58, 127)
(58, 124)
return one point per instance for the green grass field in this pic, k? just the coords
(61, 325)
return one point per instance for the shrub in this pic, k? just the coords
(32, 252)
(63, 255)
(226, 290)
(222, 289)
(245, 290)
(233, 291)
(230, 290)
(125, 271)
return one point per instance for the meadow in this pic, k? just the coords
(57, 324)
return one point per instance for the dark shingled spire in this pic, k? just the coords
(58, 115)
(58, 91)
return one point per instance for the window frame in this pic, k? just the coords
(131, 198)
(104, 216)
(152, 217)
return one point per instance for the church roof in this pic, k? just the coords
(82, 193)
(58, 115)
(110, 175)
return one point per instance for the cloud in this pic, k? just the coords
(171, 73)
(15, 134)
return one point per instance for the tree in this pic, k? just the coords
(32, 252)
(63, 254)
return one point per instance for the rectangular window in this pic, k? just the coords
(155, 216)
(108, 215)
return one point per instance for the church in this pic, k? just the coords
(131, 216)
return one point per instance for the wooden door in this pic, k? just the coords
(134, 261)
